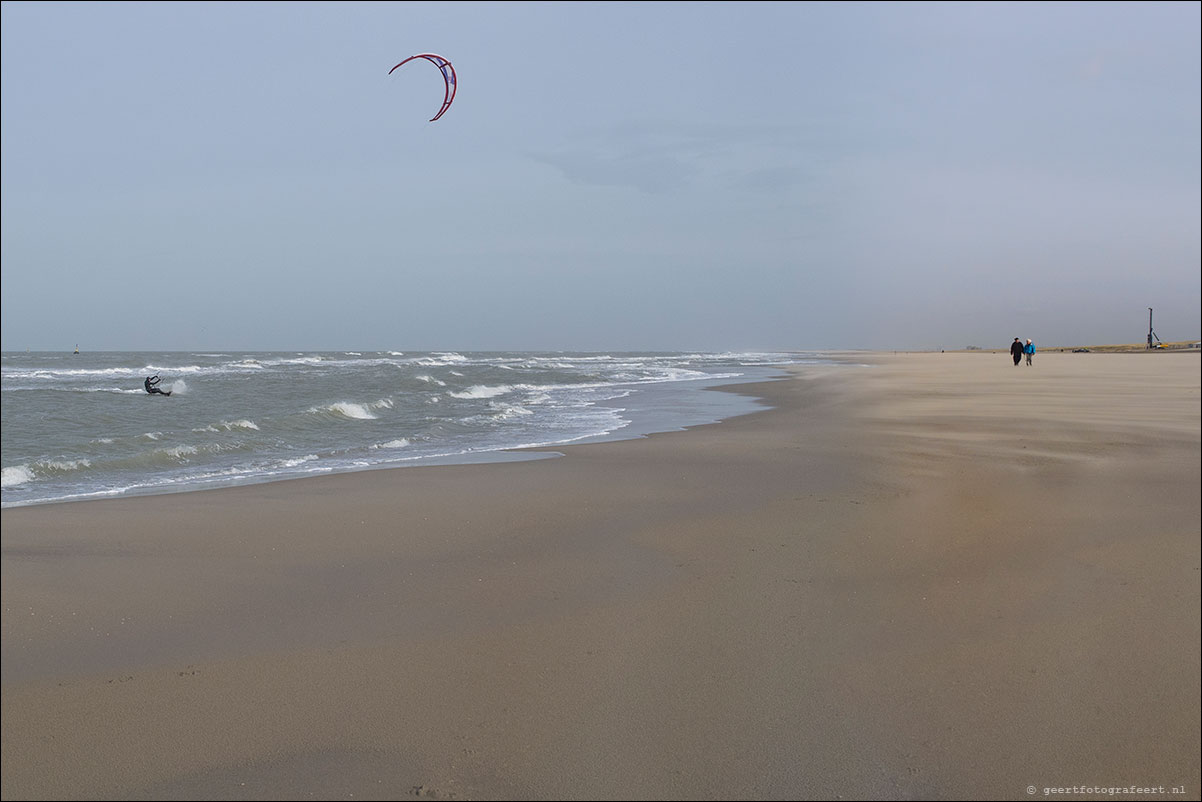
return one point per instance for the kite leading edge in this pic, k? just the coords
(448, 75)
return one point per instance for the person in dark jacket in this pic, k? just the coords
(1016, 351)
(150, 383)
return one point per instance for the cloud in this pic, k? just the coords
(669, 158)
(653, 173)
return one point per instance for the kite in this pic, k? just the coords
(448, 75)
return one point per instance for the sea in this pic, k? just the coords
(80, 426)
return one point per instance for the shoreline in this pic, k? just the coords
(936, 577)
(636, 409)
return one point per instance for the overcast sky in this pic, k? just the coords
(637, 176)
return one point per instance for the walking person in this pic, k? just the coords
(1029, 350)
(1016, 351)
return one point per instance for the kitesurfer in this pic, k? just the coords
(150, 383)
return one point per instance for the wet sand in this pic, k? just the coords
(931, 576)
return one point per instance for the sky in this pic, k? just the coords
(611, 176)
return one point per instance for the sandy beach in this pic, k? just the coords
(916, 576)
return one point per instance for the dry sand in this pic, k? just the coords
(930, 576)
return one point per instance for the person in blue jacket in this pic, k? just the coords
(1029, 350)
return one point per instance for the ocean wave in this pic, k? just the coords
(294, 462)
(346, 409)
(441, 358)
(154, 370)
(117, 390)
(507, 411)
(482, 391)
(139, 390)
(16, 475)
(400, 442)
(229, 426)
(128, 371)
(303, 420)
(316, 359)
(22, 474)
(53, 466)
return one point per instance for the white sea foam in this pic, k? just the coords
(300, 360)
(21, 474)
(117, 390)
(346, 409)
(435, 361)
(62, 465)
(398, 443)
(506, 411)
(16, 475)
(482, 391)
(296, 461)
(228, 426)
(88, 372)
(150, 370)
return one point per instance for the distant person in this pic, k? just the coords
(1016, 351)
(150, 385)
(1029, 350)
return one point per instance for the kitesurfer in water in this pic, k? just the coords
(150, 383)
